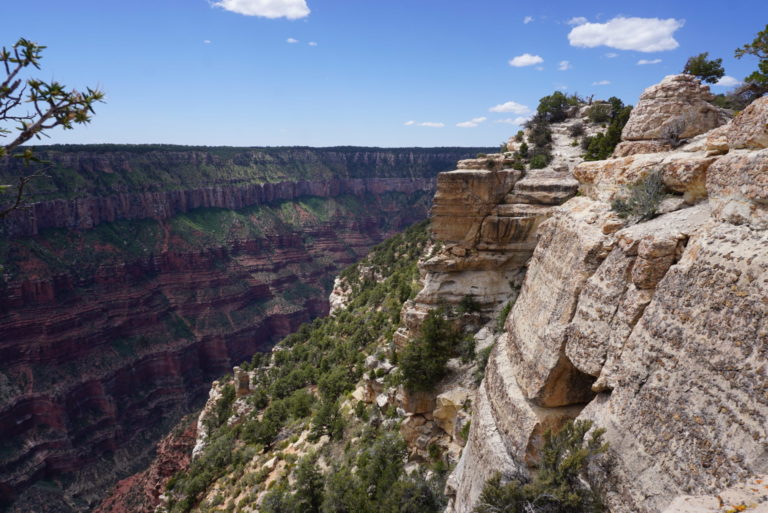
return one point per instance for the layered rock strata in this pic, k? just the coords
(91, 211)
(486, 216)
(655, 331)
(110, 334)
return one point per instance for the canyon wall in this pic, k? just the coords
(655, 330)
(119, 309)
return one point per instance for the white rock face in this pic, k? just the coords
(750, 496)
(657, 332)
(338, 297)
(214, 395)
(677, 105)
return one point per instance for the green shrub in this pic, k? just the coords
(423, 362)
(468, 304)
(576, 130)
(539, 133)
(467, 349)
(557, 486)
(539, 161)
(554, 108)
(222, 410)
(599, 113)
(464, 433)
(482, 362)
(601, 146)
(503, 316)
(643, 199)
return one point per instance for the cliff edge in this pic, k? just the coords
(656, 331)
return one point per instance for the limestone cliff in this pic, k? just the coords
(656, 331)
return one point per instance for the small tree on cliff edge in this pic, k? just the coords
(759, 48)
(707, 70)
(29, 107)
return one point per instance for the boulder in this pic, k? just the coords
(628, 148)
(717, 140)
(415, 402)
(242, 382)
(448, 406)
(750, 128)
(678, 108)
(681, 171)
(543, 188)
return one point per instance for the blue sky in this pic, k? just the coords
(193, 72)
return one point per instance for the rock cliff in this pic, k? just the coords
(656, 331)
(118, 310)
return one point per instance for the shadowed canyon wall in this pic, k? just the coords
(140, 274)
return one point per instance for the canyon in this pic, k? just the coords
(578, 305)
(137, 275)
(651, 326)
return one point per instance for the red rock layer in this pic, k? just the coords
(140, 493)
(90, 211)
(90, 366)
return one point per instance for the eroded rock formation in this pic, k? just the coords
(656, 331)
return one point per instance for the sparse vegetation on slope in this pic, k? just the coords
(601, 146)
(558, 485)
(642, 200)
(351, 458)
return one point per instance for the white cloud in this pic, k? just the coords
(611, 55)
(430, 124)
(602, 82)
(514, 107)
(291, 40)
(291, 9)
(539, 68)
(578, 20)
(728, 81)
(564, 65)
(527, 19)
(206, 41)
(641, 34)
(643, 62)
(472, 123)
(525, 60)
(312, 43)
(519, 121)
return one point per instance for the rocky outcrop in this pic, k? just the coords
(654, 331)
(749, 129)
(676, 108)
(486, 216)
(738, 187)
